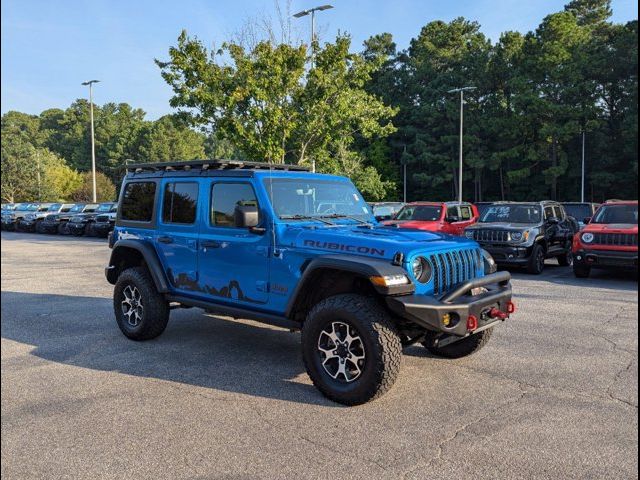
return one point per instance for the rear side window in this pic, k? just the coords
(548, 213)
(225, 197)
(465, 213)
(137, 201)
(180, 201)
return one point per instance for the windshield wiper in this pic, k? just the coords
(305, 217)
(349, 217)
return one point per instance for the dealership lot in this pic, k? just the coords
(553, 395)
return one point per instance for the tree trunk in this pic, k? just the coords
(554, 164)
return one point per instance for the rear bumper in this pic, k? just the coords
(508, 255)
(606, 258)
(429, 312)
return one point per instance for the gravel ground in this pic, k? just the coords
(553, 395)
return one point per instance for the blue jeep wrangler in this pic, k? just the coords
(281, 245)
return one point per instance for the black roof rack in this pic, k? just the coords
(213, 165)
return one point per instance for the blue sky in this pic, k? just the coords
(50, 47)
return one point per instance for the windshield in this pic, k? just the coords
(105, 207)
(424, 213)
(297, 197)
(578, 210)
(76, 208)
(627, 214)
(512, 214)
(55, 207)
(483, 207)
(386, 210)
(30, 207)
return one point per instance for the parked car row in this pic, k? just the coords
(525, 234)
(92, 219)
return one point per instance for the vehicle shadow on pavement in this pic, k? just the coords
(48, 238)
(196, 349)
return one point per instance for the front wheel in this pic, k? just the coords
(141, 312)
(351, 349)
(463, 347)
(581, 271)
(536, 261)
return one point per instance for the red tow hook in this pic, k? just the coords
(496, 313)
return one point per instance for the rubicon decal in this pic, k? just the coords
(364, 250)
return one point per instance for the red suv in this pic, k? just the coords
(610, 239)
(447, 217)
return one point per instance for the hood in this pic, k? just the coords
(432, 226)
(82, 217)
(379, 241)
(611, 228)
(502, 226)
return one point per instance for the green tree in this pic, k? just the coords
(105, 189)
(267, 104)
(170, 139)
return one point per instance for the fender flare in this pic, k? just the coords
(361, 266)
(150, 258)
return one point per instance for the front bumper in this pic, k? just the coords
(76, 228)
(606, 258)
(459, 304)
(102, 229)
(48, 227)
(508, 254)
(27, 225)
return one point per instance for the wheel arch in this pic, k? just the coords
(331, 275)
(132, 253)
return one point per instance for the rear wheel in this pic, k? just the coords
(566, 260)
(39, 228)
(536, 261)
(581, 271)
(351, 349)
(462, 348)
(63, 228)
(141, 312)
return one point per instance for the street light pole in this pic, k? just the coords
(312, 12)
(461, 164)
(583, 166)
(93, 143)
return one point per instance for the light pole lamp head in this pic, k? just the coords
(90, 82)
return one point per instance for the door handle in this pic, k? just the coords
(165, 239)
(210, 244)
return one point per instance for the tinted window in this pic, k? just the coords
(224, 199)
(137, 201)
(511, 214)
(579, 211)
(180, 200)
(425, 213)
(465, 213)
(621, 214)
(548, 213)
(558, 212)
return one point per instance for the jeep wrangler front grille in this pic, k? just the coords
(454, 267)
(102, 218)
(616, 239)
(491, 235)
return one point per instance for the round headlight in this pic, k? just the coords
(421, 268)
(490, 265)
(469, 234)
(516, 236)
(587, 237)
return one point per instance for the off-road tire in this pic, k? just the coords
(535, 266)
(566, 260)
(155, 308)
(462, 348)
(63, 228)
(89, 231)
(39, 228)
(78, 233)
(380, 339)
(581, 271)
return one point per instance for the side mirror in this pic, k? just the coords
(453, 219)
(246, 216)
(554, 221)
(587, 220)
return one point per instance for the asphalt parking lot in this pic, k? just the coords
(553, 395)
